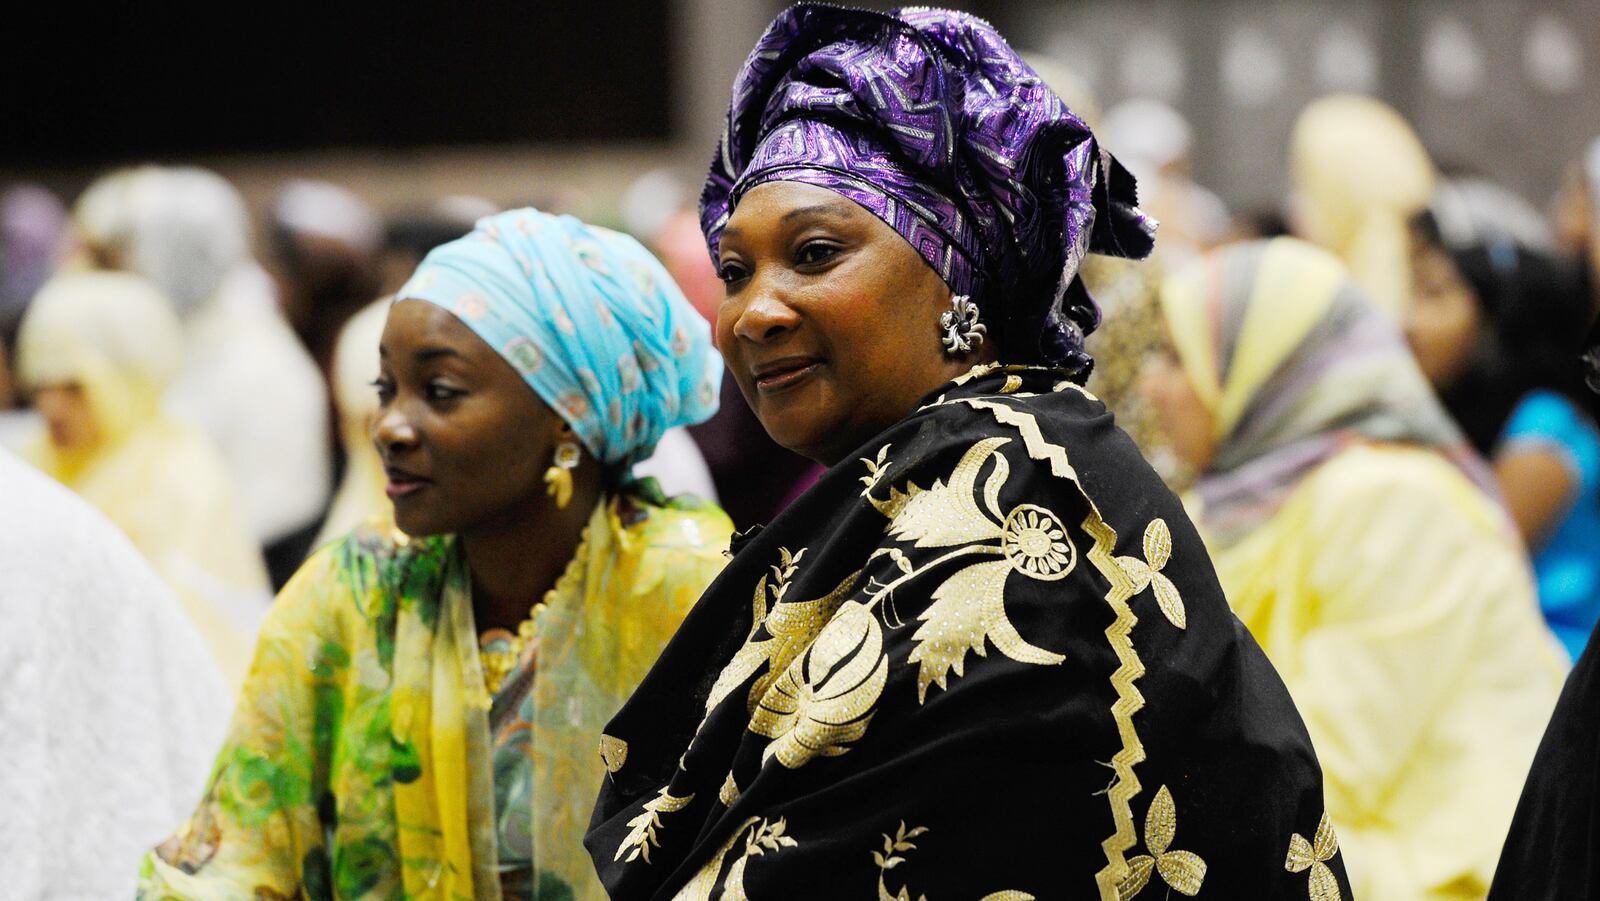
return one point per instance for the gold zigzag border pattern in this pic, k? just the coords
(1119, 634)
(1129, 701)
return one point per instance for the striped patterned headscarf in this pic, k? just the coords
(1294, 364)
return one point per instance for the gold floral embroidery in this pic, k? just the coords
(766, 837)
(729, 792)
(1035, 544)
(826, 697)
(968, 608)
(1314, 856)
(1184, 871)
(890, 857)
(877, 468)
(614, 752)
(948, 514)
(1119, 635)
(1147, 573)
(791, 627)
(642, 836)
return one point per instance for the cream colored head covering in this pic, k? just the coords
(184, 228)
(112, 334)
(1360, 173)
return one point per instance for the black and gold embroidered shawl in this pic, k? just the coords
(986, 658)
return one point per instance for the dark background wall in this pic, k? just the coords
(108, 82)
(410, 97)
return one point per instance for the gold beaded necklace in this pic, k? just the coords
(500, 651)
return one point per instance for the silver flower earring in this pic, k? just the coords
(962, 330)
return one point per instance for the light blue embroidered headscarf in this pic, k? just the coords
(589, 318)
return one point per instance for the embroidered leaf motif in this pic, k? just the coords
(966, 609)
(1314, 856)
(1183, 871)
(642, 834)
(948, 514)
(1147, 573)
(877, 469)
(889, 858)
(791, 627)
(750, 655)
(1327, 843)
(614, 752)
(1139, 870)
(730, 791)
(766, 837)
(825, 698)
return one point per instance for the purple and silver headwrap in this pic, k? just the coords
(928, 119)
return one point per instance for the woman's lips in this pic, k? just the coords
(786, 375)
(403, 485)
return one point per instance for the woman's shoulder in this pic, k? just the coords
(1547, 418)
(1397, 483)
(1546, 412)
(681, 523)
(368, 570)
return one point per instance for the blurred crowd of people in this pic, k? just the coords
(1372, 405)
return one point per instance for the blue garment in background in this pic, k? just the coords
(1568, 563)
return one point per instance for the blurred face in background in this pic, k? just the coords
(464, 440)
(1575, 221)
(67, 415)
(1443, 320)
(1185, 419)
(830, 319)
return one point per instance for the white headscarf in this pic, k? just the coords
(110, 705)
(184, 228)
(245, 378)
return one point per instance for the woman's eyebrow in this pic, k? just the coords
(816, 210)
(425, 354)
(823, 210)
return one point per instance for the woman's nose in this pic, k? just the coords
(392, 431)
(765, 316)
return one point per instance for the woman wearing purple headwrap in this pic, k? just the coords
(986, 654)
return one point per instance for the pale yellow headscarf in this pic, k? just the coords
(1295, 365)
(115, 337)
(355, 365)
(1360, 173)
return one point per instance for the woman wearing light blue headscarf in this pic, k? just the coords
(422, 713)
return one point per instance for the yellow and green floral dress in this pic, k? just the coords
(369, 759)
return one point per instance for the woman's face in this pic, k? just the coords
(1575, 217)
(830, 322)
(464, 440)
(67, 415)
(1184, 418)
(1443, 320)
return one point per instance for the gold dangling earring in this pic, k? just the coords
(559, 476)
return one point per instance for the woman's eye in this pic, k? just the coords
(730, 273)
(816, 252)
(438, 391)
(385, 389)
